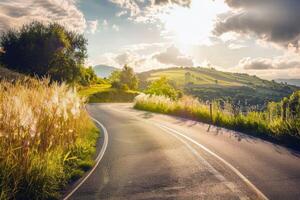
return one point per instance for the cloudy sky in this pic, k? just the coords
(258, 37)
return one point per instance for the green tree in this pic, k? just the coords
(125, 79)
(163, 87)
(129, 78)
(44, 50)
(115, 76)
(88, 76)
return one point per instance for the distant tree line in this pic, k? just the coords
(40, 50)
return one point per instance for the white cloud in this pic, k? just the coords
(92, 26)
(286, 66)
(115, 27)
(144, 57)
(172, 56)
(121, 13)
(105, 23)
(130, 5)
(14, 13)
(235, 46)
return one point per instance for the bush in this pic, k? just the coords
(45, 135)
(162, 87)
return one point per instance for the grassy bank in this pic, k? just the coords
(46, 139)
(102, 93)
(268, 124)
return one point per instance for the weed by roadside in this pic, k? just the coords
(280, 122)
(46, 139)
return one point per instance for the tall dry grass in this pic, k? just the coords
(267, 124)
(44, 135)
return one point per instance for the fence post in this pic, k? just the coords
(211, 112)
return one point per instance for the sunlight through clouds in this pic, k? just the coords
(194, 24)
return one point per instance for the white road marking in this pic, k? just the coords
(98, 159)
(210, 168)
(247, 181)
(237, 172)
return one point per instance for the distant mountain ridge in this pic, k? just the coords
(289, 81)
(104, 71)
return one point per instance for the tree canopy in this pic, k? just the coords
(45, 50)
(163, 87)
(125, 79)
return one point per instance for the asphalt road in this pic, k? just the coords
(152, 156)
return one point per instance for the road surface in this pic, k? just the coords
(153, 156)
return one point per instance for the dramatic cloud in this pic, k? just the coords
(278, 63)
(130, 5)
(172, 56)
(144, 57)
(142, 10)
(276, 21)
(92, 26)
(126, 58)
(14, 13)
(137, 61)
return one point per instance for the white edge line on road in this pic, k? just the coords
(211, 169)
(98, 159)
(247, 181)
(237, 172)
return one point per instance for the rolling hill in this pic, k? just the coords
(210, 84)
(104, 71)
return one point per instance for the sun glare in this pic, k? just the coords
(192, 25)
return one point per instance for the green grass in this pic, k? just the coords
(210, 84)
(93, 89)
(267, 124)
(103, 93)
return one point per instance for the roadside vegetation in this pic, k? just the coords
(121, 86)
(46, 139)
(279, 121)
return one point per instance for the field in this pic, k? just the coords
(101, 93)
(210, 84)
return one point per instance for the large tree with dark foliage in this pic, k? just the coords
(44, 50)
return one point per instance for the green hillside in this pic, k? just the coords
(210, 84)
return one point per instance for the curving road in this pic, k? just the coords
(152, 156)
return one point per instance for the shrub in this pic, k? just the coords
(162, 87)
